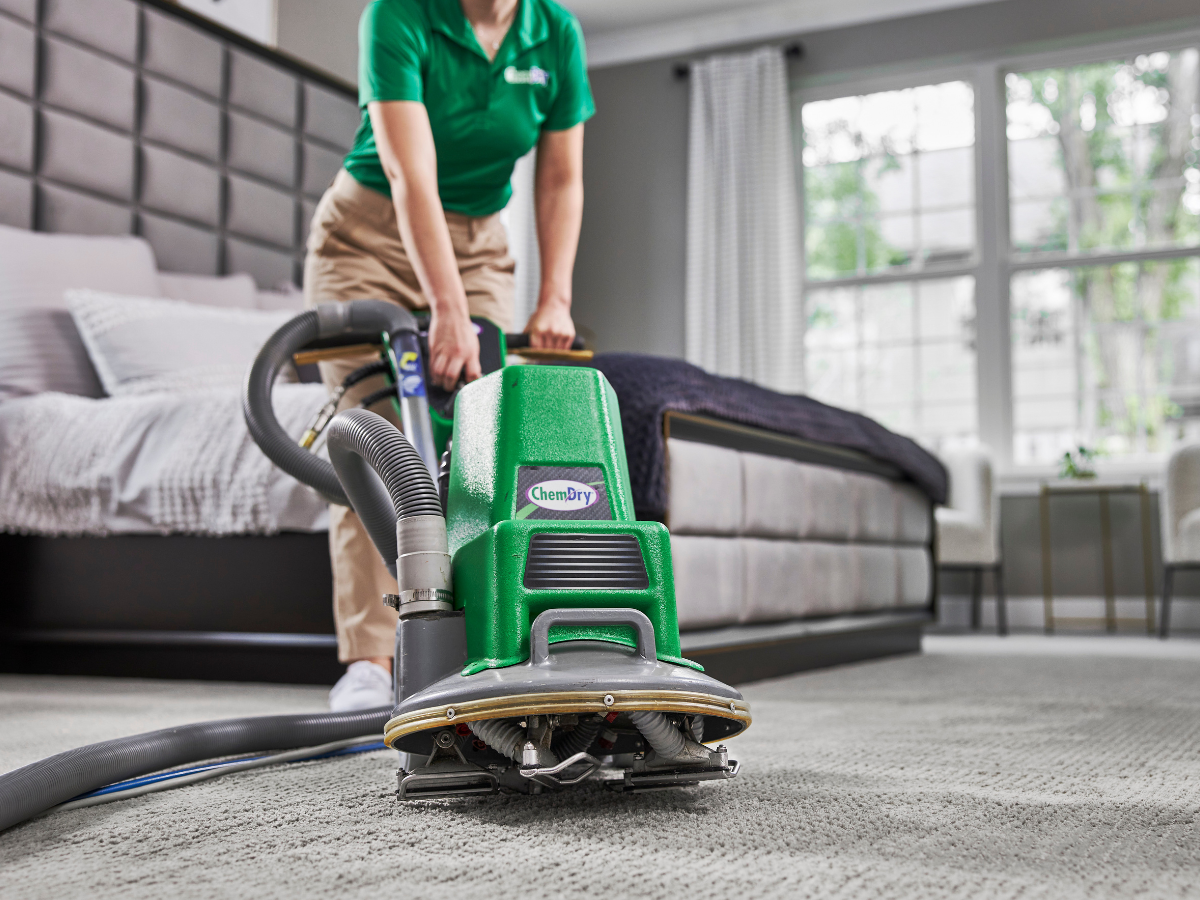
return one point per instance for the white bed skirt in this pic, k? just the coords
(761, 538)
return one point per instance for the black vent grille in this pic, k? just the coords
(612, 561)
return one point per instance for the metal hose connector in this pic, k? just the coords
(665, 739)
(507, 739)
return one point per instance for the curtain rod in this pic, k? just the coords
(791, 51)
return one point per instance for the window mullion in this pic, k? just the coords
(993, 370)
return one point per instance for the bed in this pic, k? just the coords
(140, 531)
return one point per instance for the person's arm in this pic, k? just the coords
(404, 140)
(558, 198)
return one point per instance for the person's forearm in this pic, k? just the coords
(559, 217)
(409, 160)
(423, 232)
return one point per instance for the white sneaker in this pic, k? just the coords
(364, 686)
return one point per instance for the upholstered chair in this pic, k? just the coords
(968, 528)
(1179, 509)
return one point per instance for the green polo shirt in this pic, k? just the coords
(485, 114)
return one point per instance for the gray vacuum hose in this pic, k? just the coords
(37, 787)
(665, 739)
(383, 476)
(361, 320)
(506, 738)
(580, 740)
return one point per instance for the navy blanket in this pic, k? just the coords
(648, 386)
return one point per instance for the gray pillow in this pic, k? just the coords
(236, 291)
(141, 345)
(40, 349)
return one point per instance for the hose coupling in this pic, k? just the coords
(420, 600)
(423, 566)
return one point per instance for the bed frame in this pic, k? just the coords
(752, 652)
(259, 608)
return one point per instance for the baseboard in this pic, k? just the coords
(204, 656)
(748, 653)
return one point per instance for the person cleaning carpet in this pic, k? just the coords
(453, 93)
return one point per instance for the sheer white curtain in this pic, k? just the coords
(518, 217)
(744, 314)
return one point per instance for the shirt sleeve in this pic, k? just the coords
(573, 103)
(390, 50)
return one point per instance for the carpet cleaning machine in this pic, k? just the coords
(537, 646)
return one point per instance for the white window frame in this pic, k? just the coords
(993, 264)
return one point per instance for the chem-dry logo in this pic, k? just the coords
(532, 75)
(562, 495)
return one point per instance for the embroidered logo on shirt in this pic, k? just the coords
(532, 75)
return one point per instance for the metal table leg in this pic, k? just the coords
(1147, 555)
(1110, 596)
(1047, 573)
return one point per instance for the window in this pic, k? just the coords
(903, 353)
(1102, 161)
(1085, 240)
(1098, 155)
(889, 187)
(1107, 356)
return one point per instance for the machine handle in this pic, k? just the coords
(521, 341)
(539, 634)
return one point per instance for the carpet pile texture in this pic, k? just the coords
(963, 772)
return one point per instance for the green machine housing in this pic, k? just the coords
(540, 516)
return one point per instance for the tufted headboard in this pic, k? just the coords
(137, 116)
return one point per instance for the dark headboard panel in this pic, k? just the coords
(136, 116)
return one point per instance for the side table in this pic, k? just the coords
(1103, 491)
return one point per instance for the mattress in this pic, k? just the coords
(758, 538)
(163, 463)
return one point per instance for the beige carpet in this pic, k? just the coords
(1026, 768)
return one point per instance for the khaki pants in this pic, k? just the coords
(355, 253)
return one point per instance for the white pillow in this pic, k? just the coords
(290, 298)
(141, 345)
(229, 291)
(40, 349)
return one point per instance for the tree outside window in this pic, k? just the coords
(1102, 160)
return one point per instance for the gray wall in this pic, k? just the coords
(323, 33)
(629, 282)
(629, 274)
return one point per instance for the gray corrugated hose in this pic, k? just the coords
(361, 320)
(506, 738)
(580, 740)
(34, 788)
(383, 476)
(666, 740)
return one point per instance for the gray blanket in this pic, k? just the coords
(648, 386)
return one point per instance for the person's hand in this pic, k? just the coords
(453, 348)
(550, 327)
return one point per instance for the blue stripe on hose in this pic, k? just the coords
(204, 767)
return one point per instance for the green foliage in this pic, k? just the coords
(842, 213)
(1078, 463)
(1122, 176)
